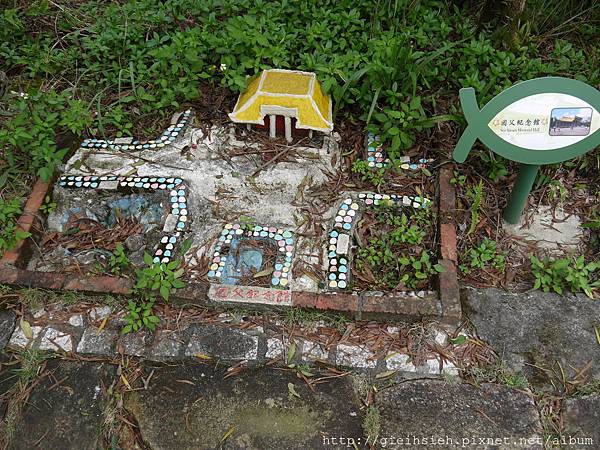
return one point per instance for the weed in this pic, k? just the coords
(496, 373)
(562, 274)
(368, 174)
(458, 179)
(160, 277)
(118, 262)
(306, 318)
(30, 364)
(486, 254)
(33, 298)
(397, 127)
(557, 192)
(9, 234)
(48, 206)
(140, 315)
(396, 256)
(591, 387)
(29, 136)
(496, 165)
(475, 196)
(372, 423)
(67, 297)
(156, 279)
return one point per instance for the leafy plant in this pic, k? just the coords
(458, 179)
(475, 196)
(29, 136)
(562, 274)
(557, 192)
(369, 174)
(9, 233)
(140, 315)
(496, 165)
(486, 254)
(118, 261)
(159, 278)
(396, 256)
(154, 280)
(398, 127)
(48, 206)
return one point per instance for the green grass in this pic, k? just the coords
(106, 69)
(496, 373)
(372, 423)
(36, 298)
(30, 363)
(307, 317)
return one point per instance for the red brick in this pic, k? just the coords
(448, 241)
(447, 193)
(450, 294)
(48, 280)
(197, 293)
(304, 299)
(25, 222)
(338, 302)
(396, 305)
(113, 285)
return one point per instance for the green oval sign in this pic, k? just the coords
(539, 121)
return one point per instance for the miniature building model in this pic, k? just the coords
(568, 121)
(296, 97)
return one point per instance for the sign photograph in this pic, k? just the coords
(571, 121)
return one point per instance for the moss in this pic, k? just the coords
(209, 420)
(372, 423)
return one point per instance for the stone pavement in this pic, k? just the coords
(226, 385)
(84, 334)
(66, 408)
(193, 406)
(534, 331)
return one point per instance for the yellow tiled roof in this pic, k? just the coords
(285, 92)
(567, 118)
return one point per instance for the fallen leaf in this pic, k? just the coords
(229, 433)
(305, 372)
(186, 382)
(385, 374)
(26, 327)
(597, 330)
(125, 382)
(263, 273)
(292, 390)
(460, 339)
(291, 352)
(201, 356)
(102, 325)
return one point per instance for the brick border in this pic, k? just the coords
(367, 305)
(26, 222)
(448, 280)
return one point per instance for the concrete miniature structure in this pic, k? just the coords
(292, 98)
(552, 229)
(248, 216)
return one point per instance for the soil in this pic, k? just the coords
(562, 186)
(384, 277)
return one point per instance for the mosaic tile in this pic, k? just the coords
(175, 223)
(234, 233)
(130, 144)
(376, 157)
(339, 238)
